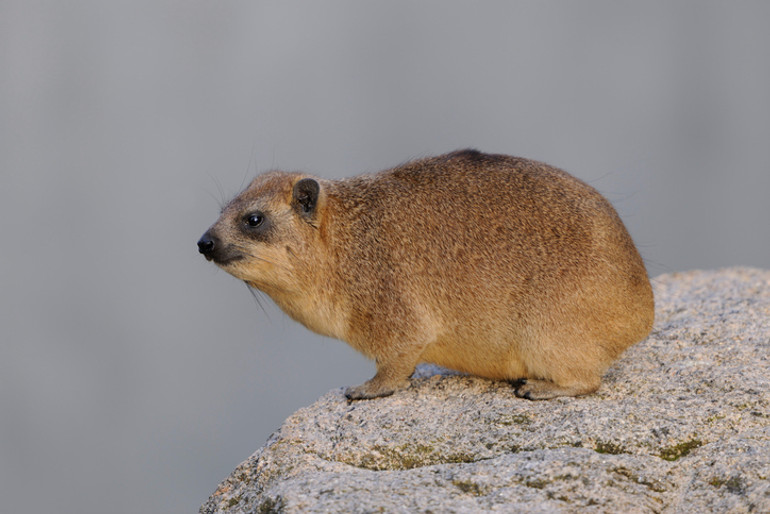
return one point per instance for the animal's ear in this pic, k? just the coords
(305, 196)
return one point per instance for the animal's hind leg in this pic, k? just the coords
(538, 389)
(563, 364)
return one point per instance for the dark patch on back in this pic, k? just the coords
(471, 155)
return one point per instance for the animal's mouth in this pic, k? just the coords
(224, 260)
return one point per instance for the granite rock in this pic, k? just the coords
(680, 424)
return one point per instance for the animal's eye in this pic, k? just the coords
(254, 219)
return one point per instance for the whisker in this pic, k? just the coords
(252, 164)
(255, 294)
(222, 201)
(218, 201)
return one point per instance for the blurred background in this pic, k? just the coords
(134, 375)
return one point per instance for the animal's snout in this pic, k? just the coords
(206, 245)
(215, 249)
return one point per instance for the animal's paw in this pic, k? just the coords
(534, 389)
(367, 391)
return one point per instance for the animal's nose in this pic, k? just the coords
(206, 244)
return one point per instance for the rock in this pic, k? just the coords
(680, 424)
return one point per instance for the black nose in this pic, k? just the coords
(206, 244)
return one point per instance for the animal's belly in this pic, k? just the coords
(490, 359)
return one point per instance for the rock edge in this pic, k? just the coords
(680, 424)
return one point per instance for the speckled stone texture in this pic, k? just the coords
(680, 424)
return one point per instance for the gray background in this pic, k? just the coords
(133, 374)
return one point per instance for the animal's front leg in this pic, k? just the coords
(393, 373)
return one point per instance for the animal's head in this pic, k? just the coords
(267, 234)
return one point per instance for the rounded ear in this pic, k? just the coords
(305, 196)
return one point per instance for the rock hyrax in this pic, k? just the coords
(497, 266)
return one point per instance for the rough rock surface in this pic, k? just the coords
(680, 424)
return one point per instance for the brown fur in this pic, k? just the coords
(493, 265)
